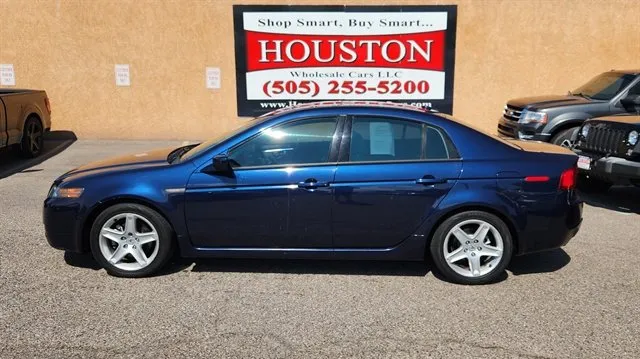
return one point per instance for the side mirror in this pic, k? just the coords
(222, 164)
(631, 103)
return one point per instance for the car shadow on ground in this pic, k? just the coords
(81, 260)
(290, 266)
(284, 266)
(543, 262)
(54, 143)
(625, 199)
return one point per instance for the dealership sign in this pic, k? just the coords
(293, 54)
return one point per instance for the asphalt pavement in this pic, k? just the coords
(582, 301)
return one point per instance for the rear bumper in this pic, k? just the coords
(553, 232)
(61, 224)
(513, 129)
(612, 169)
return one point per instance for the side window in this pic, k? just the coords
(305, 141)
(635, 90)
(436, 147)
(385, 139)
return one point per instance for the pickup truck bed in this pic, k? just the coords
(24, 117)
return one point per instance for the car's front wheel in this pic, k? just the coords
(472, 247)
(131, 240)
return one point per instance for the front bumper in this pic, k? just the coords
(61, 224)
(513, 129)
(612, 169)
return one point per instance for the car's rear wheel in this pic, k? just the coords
(593, 185)
(131, 240)
(32, 138)
(472, 247)
(566, 138)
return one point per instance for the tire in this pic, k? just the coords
(131, 240)
(492, 254)
(564, 137)
(593, 185)
(32, 138)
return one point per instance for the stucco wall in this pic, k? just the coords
(504, 49)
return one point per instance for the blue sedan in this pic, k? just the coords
(340, 180)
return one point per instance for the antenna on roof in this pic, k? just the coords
(428, 107)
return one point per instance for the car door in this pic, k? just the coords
(392, 173)
(14, 119)
(278, 194)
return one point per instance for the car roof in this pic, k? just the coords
(382, 105)
(628, 72)
(343, 104)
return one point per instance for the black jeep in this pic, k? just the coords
(556, 118)
(609, 149)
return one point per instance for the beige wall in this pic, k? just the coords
(504, 49)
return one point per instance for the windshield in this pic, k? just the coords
(478, 129)
(219, 138)
(604, 86)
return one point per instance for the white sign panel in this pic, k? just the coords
(7, 76)
(213, 77)
(122, 75)
(288, 55)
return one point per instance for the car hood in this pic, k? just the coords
(152, 158)
(623, 118)
(548, 101)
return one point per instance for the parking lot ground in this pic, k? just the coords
(582, 301)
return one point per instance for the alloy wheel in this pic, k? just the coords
(473, 248)
(567, 143)
(129, 241)
(34, 136)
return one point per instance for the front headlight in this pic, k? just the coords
(585, 130)
(52, 190)
(532, 117)
(57, 192)
(633, 138)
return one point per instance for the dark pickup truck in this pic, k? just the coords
(24, 117)
(557, 118)
(608, 149)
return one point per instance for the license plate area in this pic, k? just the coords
(584, 162)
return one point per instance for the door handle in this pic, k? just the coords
(312, 183)
(430, 180)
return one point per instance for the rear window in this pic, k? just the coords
(477, 129)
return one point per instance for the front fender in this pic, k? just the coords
(566, 119)
(162, 192)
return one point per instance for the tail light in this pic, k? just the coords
(568, 179)
(48, 104)
(536, 179)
